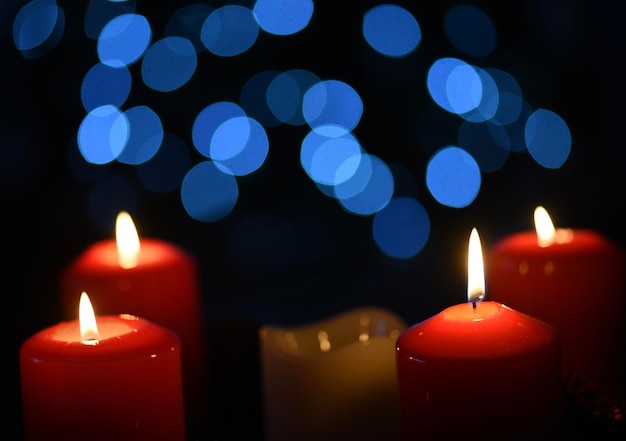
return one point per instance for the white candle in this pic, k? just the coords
(333, 379)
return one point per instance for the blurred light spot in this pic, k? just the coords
(207, 122)
(102, 134)
(391, 30)
(285, 95)
(169, 64)
(454, 85)
(38, 27)
(229, 30)
(332, 102)
(187, 22)
(283, 17)
(144, 137)
(488, 104)
(358, 179)
(109, 196)
(207, 193)
(105, 85)
(376, 194)
(124, 40)
(516, 129)
(548, 138)
(167, 168)
(510, 97)
(480, 142)
(453, 177)
(253, 98)
(330, 155)
(99, 12)
(402, 228)
(264, 242)
(470, 30)
(239, 146)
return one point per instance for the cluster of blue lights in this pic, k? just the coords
(493, 117)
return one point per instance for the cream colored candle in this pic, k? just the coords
(332, 380)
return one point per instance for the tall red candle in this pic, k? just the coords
(573, 279)
(122, 382)
(152, 279)
(479, 367)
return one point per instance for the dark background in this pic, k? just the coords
(567, 55)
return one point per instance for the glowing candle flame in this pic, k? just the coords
(475, 269)
(127, 241)
(544, 227)
(87, 320)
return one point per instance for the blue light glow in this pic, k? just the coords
(239, 146)
(402, 228)
(207, 122)
(207, 193)
(488, 105)
(453, 177)
(187, 22)
(391, 30)
(169, 64)
(283, 17)
(376, 194)
(229, 30)
(102, 134)
(332, 102)
(454, 85)
(99, 12)
(124, 40)
(286, 92)
(105, 85)
(510, 97)
(144, 136)
(548, 138)
(253, 98)
(358, 180)
(38, 27)
(167, 168)
(470, 30)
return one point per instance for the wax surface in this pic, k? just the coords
(579, 287)
(126, 387)
(332, 380)
(163, 288)
(490, 369)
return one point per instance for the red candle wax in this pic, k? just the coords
(128, 386)
(487, 370)
(162, 287)
(576, 284)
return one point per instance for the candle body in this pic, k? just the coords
(490, 371)
(578, 287)
(127, 387)
(332, 380)
(162, 288)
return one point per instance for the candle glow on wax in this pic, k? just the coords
(87, 319)
(127, 239)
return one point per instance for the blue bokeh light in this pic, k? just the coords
(454, 85)
(144, 135)
(285, 95)
(105, 85)
(124, 40)
(168, 64)
(283, 17)
(391, 30)
(208, 121)
(332, 102)
(239, 146)
(167, 168)
(509, 97)
(99, 12)
(548, 138)
(38, 27)
(402, 228)
(470, 30)
(359, 178)
(187, 22)
(375, 195)
(103, 134)
(207, 193)
(229, 30)
(453, 177)
(489, 100)
(253, 98)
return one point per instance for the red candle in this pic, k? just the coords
(479, 367)
(152, 279)
(117, 378)
(574, 280)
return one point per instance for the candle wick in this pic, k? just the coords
(474, 304)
